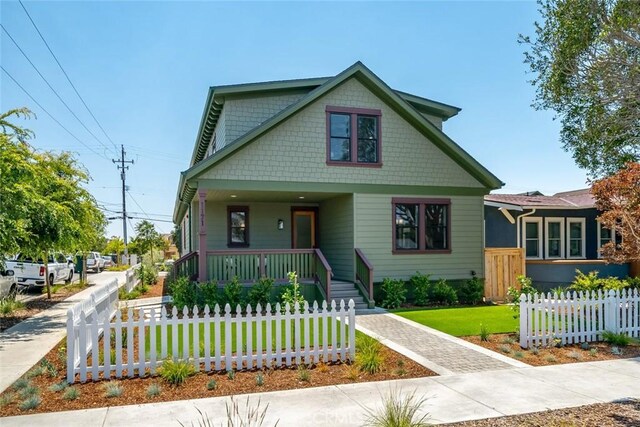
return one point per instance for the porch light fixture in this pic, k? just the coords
(280, 224)
(233, 196)
(300, 197)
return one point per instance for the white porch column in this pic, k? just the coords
(202, 241)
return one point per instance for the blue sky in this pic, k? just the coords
(144, 69)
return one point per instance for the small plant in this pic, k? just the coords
(232, 293)
(6, 399)
(153, 390)
(212, 385)
(259, 379)
(574, 355)
(30, 402)
(231, 374)
(518, 355)
(557, 290)
(113, 389)
(395, 293)
(247, 416)
(470, 291)
(551, 358)
(29, 390)
(303, 373)
(401, 372)
(292, 293)
(208, 294)
(506, 349)
(322, 367)
(420, 283)
(62, 353)
(619, 340)
(51, 370)
(398, 410)
(35, 372)
(593, 352)
(71, 393)
(525, 287)
(260, 292)
(9, 305)
(535, 351)
(21, 383)
(58, 386)
(508, 340)
(442, 293)
(353, 373)
(484, 333)
(369, 357)
(615, 350)
(585, 346)
(177, 372)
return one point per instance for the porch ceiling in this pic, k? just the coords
(241, 196)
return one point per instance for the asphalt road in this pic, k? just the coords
(34, 292)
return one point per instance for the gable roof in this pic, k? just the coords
(576, 199)
(371, 82)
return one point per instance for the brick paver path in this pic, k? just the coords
(441, 353)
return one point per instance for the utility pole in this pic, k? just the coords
(123, 176)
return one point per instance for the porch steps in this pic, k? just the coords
(341, 290)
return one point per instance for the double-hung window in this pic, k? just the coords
(532, 237)
(576, 237)
(353, 137)
(421, 225)
(554, 247)
(237, 226)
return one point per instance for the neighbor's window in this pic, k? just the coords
(421, 225)
(555, 237)
(532, 236)
(353, 136)
(238, 223)
(576, 237)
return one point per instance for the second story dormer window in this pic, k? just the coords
(353, 137)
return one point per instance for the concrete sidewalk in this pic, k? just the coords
(451, 398)
(24, 344)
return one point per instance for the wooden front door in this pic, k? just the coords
(303, 228)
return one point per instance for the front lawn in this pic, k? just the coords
(463, 321)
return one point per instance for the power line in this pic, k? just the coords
(66, 75)
(146, 214)
(50, 115)
(51, 87)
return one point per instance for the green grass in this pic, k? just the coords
(464, 321)
(234, 344)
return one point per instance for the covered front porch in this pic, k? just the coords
(252, 234)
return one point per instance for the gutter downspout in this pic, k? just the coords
(518, 236)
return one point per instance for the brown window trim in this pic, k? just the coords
(353, 112)
(244, 209)
(421, 229)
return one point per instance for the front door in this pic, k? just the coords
(303, 221)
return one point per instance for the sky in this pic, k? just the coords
(144, 69)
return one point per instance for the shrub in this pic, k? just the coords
(177, 372)
(232, 293)
(292, 293)
(153, 390)
(113, 389)
(212, 385)
(260, 292)
(369, 357)
(619, 340)
(441, 293)
(395, 293)
(420, 283)
(30, 402)
(71, 393)
(591, 282)
(470, 291)
(9, 304)
(183, 292)
(206, 294)
(514, 292)
(398, 410)
(148, 275)
(558, 290)
(484, 333)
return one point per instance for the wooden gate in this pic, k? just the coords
(501, 267)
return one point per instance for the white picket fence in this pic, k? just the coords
(578, 317)
(263, 339)
(131, 278)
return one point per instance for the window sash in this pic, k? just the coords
(576, 243)
(428, 232)
(356, 140)
(237, 226)
(554, 238)
(532, 237)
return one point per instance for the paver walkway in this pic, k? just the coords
(450, 399)
(24, 344)
(440, 352)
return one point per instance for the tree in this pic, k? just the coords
(586, 61)
(176, 237)
(147, 237)
(43, 203)
(618, 197)
(115, 245)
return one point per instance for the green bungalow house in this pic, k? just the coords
(341, 179)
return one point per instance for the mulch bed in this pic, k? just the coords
(92, 394)
(37, 305)
(601, 414)
(507, 344)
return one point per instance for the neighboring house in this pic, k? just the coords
(559, 233)
(171, 251)
(340, 173)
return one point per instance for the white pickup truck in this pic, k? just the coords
(30, 272)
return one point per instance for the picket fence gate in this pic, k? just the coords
(578, 317)
(120, 336)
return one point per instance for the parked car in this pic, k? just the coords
(108, 262)
(8, 283)
(32, 272)
(95, 262)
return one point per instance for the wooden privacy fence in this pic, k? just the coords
(501, 267)
(578, 317)
(130, 345)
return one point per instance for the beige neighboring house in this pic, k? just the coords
(341, 179)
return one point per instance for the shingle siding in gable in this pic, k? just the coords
(296, 150)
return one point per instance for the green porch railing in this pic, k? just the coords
(323, 274)
(186, 266)
(364, 276)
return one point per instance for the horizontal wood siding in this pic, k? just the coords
(373, 230)
(336, 235)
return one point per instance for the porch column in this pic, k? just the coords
(202, 241)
